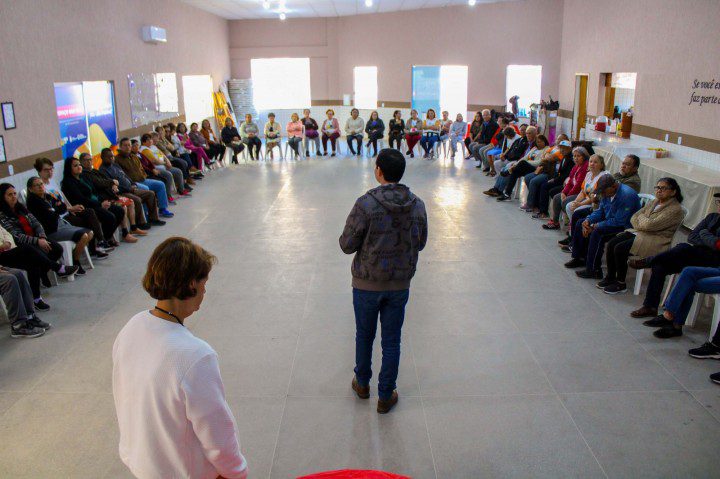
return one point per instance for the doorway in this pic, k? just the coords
(579, 105)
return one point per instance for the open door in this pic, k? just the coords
(580, 105)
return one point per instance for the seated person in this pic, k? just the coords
(189, 143)
(249, 132)
(40, 206)
(396, 131)
(375, 130)
(311, 132)
(76, 215)
(79, 190)
(619, 202)
(486, 154)
(458, 129)
(709, 350)
(38, 254)
(513, 145)
(130, 190)
(413, 128)
(295, 131)
(231, 139)
(172, 144)
(702, 249)
(430, 133)
(18, 299)
(628, 174)
(273, 137)
(161, 162)
(354, 127)
(483, 140)
(544, 170)
(160, 142)
(653, 228)
(198, 143)
(106, 189)
(572, 187)
(515, 169)
(214, 148)
(510, 138)
(445, 124)
(473, 132)
(330, 131)
(149, 167)
(131, 164)
(556, 182)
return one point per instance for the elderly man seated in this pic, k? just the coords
(619, 202)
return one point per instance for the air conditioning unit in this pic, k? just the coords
(151, 34)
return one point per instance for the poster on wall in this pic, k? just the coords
(72, 121)
(425, 88)
(100, 112)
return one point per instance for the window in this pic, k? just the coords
(440, 88)
(280, 83)
(167, 96)
(198, 96)
(366, 89)
(523, 81)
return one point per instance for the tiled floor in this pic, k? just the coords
(511, 366)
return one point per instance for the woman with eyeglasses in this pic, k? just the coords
(653, 228)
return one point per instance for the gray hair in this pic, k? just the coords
(582, 151)
(485, 111)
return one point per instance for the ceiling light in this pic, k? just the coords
(282, 16)
(368, 3)
(471, 3)
(266, 5)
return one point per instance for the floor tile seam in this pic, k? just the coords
(14, 403)
(557, 395)
(286, 183)
(287, 391)
(422, 406)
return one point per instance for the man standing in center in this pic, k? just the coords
(386, 230)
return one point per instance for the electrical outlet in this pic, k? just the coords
(679, 140)
(382, 104)
(11, 170)
(667, 136)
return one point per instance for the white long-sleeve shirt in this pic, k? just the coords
(170, 403)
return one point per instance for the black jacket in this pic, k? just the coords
(487, 131)
(517, 150)
(102, 184)
(228, 133)
(43, 210)
(397, 128)
(80, 192)
(378, 130)
(566, 165)
(706, 232)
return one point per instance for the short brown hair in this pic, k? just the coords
(173, 265)
(40, 162)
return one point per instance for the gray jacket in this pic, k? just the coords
(386, 230)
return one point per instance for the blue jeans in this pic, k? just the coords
(534, 182)
(159, 188)
(693, 279)
(390, 306)
(501, 182)
(427, 142)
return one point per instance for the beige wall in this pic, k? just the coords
(483, 37)
(46, 41)
(669, 43)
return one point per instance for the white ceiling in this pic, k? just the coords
(242, 9)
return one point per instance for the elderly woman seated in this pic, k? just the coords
(543, 172)
(17, 296)
(571, 188)
(653, 228)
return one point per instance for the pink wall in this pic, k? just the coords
(669, 43)
(46, 41)
(480, 37)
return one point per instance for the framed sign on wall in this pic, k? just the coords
(3, 157)
(8, 114)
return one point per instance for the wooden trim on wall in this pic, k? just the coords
(25, 163)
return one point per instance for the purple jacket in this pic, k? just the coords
(386, 230)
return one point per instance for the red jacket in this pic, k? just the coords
(575, 180)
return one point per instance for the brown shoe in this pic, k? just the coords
(130, 238)
(384, 407)
(638, 263)
(362, 392)
(492, 192)
(644, 312)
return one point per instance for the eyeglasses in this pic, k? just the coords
(662, 188)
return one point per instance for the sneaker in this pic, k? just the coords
(41, 305)
(165, 213)
(565, 242)
(25, 331)
(144, 226)
(185, 193)
(80, 271)
(668, 332)
(492, 192)
(566, 249)
(658, 321)
(363, 392)
(38, 323)
(333, 154)
(99, 255)
(157, 223)
(615, 288)
(706, 351)
(69, 270)
(585, 274)
(715, 377)
(604, 283)
(575, 263)
(551, 225)
(384, 406)
(502, 197)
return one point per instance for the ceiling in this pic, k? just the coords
(244, 9)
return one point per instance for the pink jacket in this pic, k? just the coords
(333, 124)
(575, 179)
(294, 128)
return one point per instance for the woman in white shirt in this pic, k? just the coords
(173, 417)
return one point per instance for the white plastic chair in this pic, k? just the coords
(695, 311)
(279, 147)
(290, 153)
(640, 273)
(23, 196)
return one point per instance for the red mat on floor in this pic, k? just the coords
(354, 474)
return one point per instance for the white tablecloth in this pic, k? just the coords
(698, 184)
